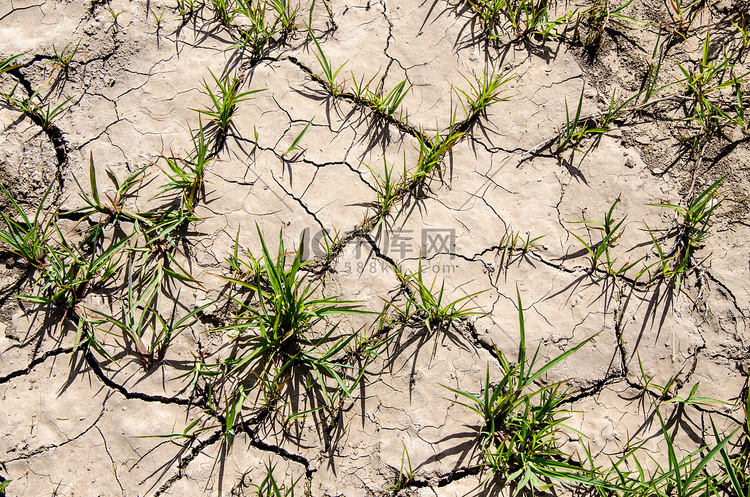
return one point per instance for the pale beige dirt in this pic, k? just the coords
(70, 427)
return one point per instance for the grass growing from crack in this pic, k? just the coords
(36, 108)
(269, 487)
(224, 102)
(737, 469)
(689, 476)
(684, 477)
(689, 232)
(531, 18)
(513, 242)
(600, 16)
(599, 252)
(295, 143)
(521, 421)
(70, 272)
(327, 246)
(27, 237)
(483, 92)
(488, 13)
(224, 11)
(433, 150)
(141, 322)
(389, 191)
(186, 8)
(683, 15)
(575, 128)
(709, 78)
(428, 303)
(270, 21)
(111, 206)
(278, 334)
(405, 473)
(667, 393)
(187, 175)
(328, 72)
(384, 104)
(64, 58)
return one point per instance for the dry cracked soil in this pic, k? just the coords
(498, 195)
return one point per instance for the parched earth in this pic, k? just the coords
(499, 216)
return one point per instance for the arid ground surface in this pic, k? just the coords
(489, 201)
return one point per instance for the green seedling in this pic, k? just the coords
(389, 191)
(709, 78)
(158, 19)
(668, 270)
(512, 241)
(388, 104)
(232, 408)
(369, 345)
(8, 64)
(328, 72)
(489, 14)
(159, 248)
(111, 206)
(683, 15)
(200, 370)
(159, 227)
(243, 270)
(186, 8)
(737, 470)
(328, 246)
(64, 58)
(270, 488)
(616, 110)
(70, 273)
(745, 33)
(224, 11)
(280, 324)
(601, 16)
(187, 175)
(599, 252)
(295, 144)
(530, 17)
(224, 101)
(28, 238)
(168, 329)
(739, 108)
(690, 232)
(429, 303)
(404, 477)
(521, 421)
(483, 92)
(141, 321)
(40, 112)
(651, 81)
(685, 477)
(261, 31)
(668, 392)
(432, 151)
(114, 15)
(286, 16)
(575, 129)
(361, 89)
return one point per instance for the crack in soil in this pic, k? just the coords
(35, 362)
